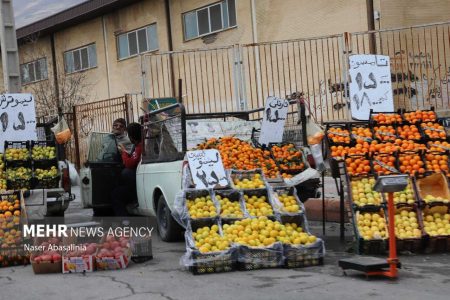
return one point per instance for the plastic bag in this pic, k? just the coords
(307, 174)
(314, 132)
(62, 131)
(74, 177)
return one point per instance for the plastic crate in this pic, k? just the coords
(46, 183)
(211, 262)
(44, 162)
(233, 196)
(360, 206)
(407, 120)
(331, 135)
(440, 242)
(258, 193)
(299, 256)
(417, 155)
(373, 115)
(278, 205)
(352, 170)
(410, 244)
(191, 195)
(254, 258)
(250, 175)
(369, 247)
(290, 166)
(441, 130)
(355, 127)
(141, 249)
(17, 145)
(380, 164)
(382, 135)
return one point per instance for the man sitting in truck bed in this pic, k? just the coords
(121, 138)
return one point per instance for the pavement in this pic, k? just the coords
(422, 277)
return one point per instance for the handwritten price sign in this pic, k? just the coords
(370, 85)
(17, 118)
(275, 114)
(207, 169)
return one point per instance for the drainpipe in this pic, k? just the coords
(55, 72)
(105, 45)
(256, 49)
(170, 43)
(371, 26)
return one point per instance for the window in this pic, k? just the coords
(34, 71)
(213, 18)
(80, 59)
(137, 41)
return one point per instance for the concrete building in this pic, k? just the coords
(96, 44)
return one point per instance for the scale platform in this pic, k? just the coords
(365, 264)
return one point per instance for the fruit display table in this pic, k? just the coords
(411, 143)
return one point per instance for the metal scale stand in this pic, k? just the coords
(373, 266)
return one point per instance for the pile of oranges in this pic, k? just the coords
(438, 146)
(339, 135)
(357, 165)
(385, 133)
(387, 119)
(434, 130)
(420, 116)
(411, 163)
(409, 132)
(239, 155)
(436, 162)
(384, 164)
(362, 133)
(10, 233)
(409, 145)
(288, 158)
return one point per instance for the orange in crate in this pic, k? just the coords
(384, 164)
(409, 132)
(411, 163)
(385, 133)
(436, 162)
(339, 135)
(434, 130)
(387, 119)
(357, 165)
(438, 146)
(409, 145)
(419, 115)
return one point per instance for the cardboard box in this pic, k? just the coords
(111, 263)
(78, 264)
(46, 267)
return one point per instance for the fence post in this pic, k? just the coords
(127, 113)
(75, 134)
(346, 41)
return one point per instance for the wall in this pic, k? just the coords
(293, 19)
(403, 13)
(125, 75)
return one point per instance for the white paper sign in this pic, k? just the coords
(370, 85)
(17, 118)
(274, 117)
(207, 168)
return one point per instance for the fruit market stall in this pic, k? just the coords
(254, 221)
(412, 143)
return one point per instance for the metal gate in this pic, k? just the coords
(240, 77)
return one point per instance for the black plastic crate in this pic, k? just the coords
(216, 262)
(383, 135)
(191, 195)
(254, 258)
(210, 262)
(360, 206)
(17, 145)
(258, 193)
(46, 183)
(373, 246)
(397, 115)
(381, 167)
(299, 256)
(407, 120)
(44, 162)
(436, 243)
(440, 131)
(232, 196)
(332, 134)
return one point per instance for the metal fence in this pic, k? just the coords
(240, 77)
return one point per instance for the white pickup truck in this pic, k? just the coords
(168, 133)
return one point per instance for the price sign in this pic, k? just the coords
(370, 85)
(275, 114)
(17, 118)
(207, 168)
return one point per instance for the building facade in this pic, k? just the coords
(92, 51)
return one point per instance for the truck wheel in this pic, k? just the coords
(169, 230)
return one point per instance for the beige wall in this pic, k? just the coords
(125, 75)
(293, 19)
(402, 13)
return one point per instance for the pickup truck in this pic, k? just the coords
(160, 172)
